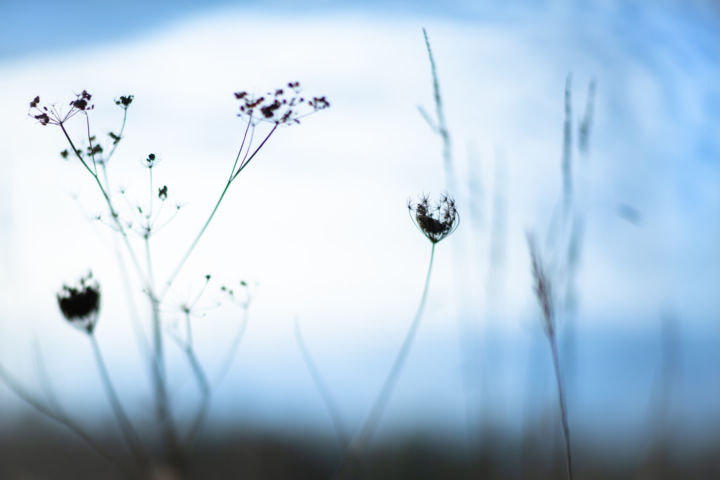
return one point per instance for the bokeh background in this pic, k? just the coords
(318, 226)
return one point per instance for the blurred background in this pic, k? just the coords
(317, 227)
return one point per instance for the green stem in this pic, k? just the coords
(194, 243)
(113, 213)
(120, 136)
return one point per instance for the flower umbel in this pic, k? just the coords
(80, 304)
(55, 116)
(282, 106)
(435, 220)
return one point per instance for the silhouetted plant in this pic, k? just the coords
(436, 220)
(80, 303)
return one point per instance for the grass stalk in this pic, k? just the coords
(330, 405)
(563, 405)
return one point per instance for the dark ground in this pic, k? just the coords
(43, 451)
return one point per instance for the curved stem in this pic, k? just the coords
(327, 398)
(120, 136)
(231, 352)
(387, 388)
(60, 418)
(131, 437)
(194, 243)
(113, 213)
(205, 391)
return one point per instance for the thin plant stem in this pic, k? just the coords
(197, 238)
(200, 378)
(232, 351)
(44, 378)
(355, 449)
(327, 398)
(441, 126)
(466, 339)
(129, 433)
(149, 213)
(205, 392)
(567, 174)
(120, 136)
(59, 417)
(113, 212)
(247, 160)
(162, 402)
(563, 406)
(140, 337)
(158, 351)
(391, 380)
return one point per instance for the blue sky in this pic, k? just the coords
(319, 221)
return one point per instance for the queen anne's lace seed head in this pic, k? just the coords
(435, 220)
(80, 304)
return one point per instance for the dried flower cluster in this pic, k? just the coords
(281, 106)
(80, 304)
(435, 220)
(54, 116)
(124, 101)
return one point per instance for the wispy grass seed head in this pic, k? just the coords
(542, 287)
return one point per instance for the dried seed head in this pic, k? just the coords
(80, 304)
(54, 116)
(280, 106)
(124, 101)
(435, 220)
(151, 160)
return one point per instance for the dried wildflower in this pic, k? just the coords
(43, 118)
(54, 116)
(163, 192)
(95, 149)
(435, 220)
(80, 304)
(319, 103)
(64, 154)
(82, 101)
(280, 106)
(150, 161)
(124, 101)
